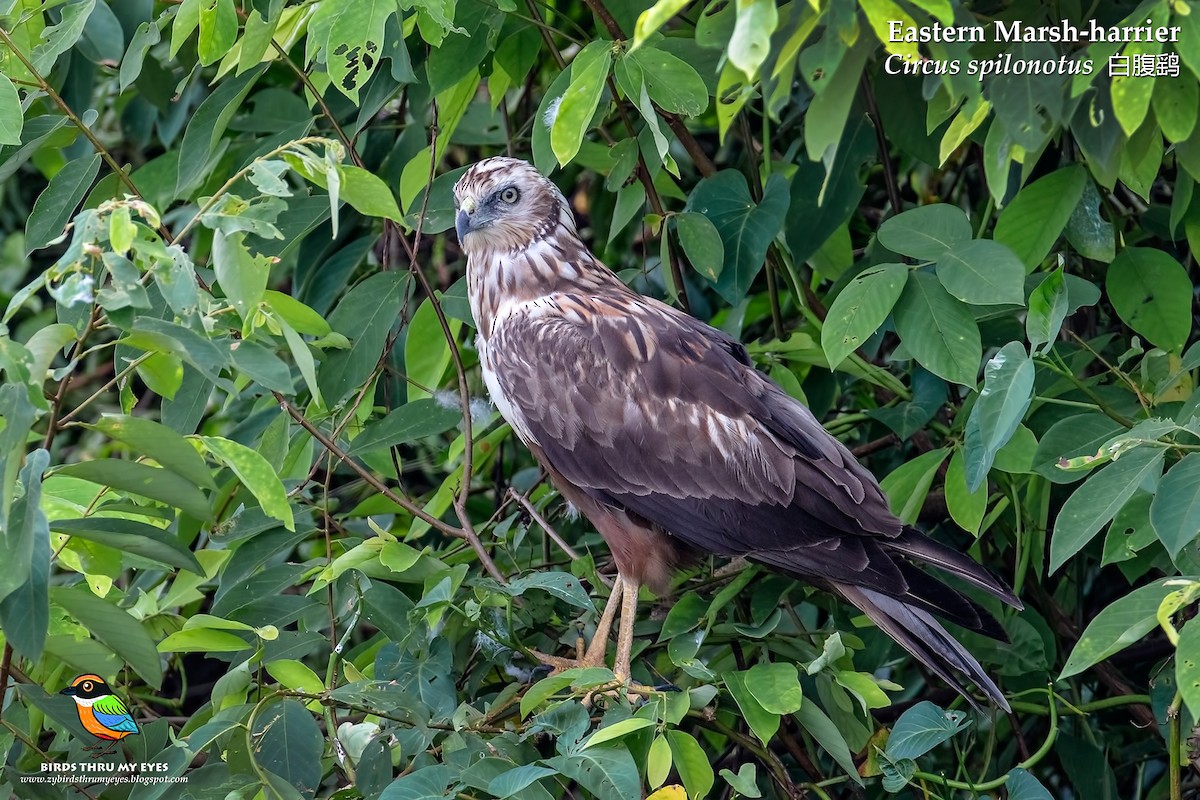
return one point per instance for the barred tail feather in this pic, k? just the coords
(922, 636)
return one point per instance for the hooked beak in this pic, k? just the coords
(462, 224)
(468, 220)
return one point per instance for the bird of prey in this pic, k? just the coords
(101, 712)
(659, 429)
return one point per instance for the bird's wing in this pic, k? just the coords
(112, 714)
(644, 407)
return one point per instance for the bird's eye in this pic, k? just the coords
(87, 686)
(510, 195)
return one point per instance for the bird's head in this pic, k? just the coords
(87, 687)
(504, 204)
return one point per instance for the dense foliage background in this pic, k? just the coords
(248, 473)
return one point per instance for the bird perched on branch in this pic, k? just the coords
(664, 435)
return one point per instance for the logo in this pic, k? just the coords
(101, 713)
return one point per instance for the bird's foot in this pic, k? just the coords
(621, 687)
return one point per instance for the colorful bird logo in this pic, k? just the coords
(101, 712)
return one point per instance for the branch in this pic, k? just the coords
(703, 163)
(45, 86)
(523, 501)
(885, 157)
(408, 505)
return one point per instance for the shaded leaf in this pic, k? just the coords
(1094, 504)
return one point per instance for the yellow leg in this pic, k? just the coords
(594, 657)
(599, 646)
(625, 632)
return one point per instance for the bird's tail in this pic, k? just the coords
(922, 636)
(922, 549)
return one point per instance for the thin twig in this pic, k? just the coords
(45, 86)
(379, 486)
(885, 156)
(532, 511)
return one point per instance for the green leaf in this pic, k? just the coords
(1123, 622)
(562, 585)
(302, 318)
(925, 232)
(1023, 786)
(256, 474)
(982, 272)
(208, 124)
(116, 628)
(1175, 105)
(148, 438)
(658, 762)
(750, 43)
(295, 675)
(131, 536)
(1037, 216)
(426, 351)
(828, 116)
(55, 205)
(672, 83)
(701, 243)
(44, 345)
(218, 30)
(365, 316)
(860, 309)
(1047, 310)
(1131, 93)
(26, 526)
(763, 723)
(367, 193)
(25, 610)
(1187, 665)
(746, 229)
(12, 117)
(618, 729)
(288, 743)
(1006, 394)
(19, 415)
(202, 640)
(938, 330)
(574, 114)
(1087, 231)
(517, 779)
(820, 727)
(60, 38)
(1152, 293)
(776, 687)
(261, 365)
(745, 781)
(1175, 511)
(1095, 503)
(356, 42)
(966, 506)
(243, 277)
(686, 614)
(603, 771)
(907, 486)
(654, 18)
(823, 198)
(693, 764)
(922, 728)
(408, 423)
(156, 483)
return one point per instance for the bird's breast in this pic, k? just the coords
(504, 404)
